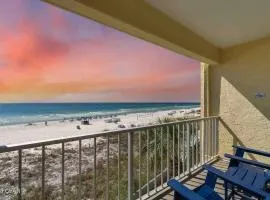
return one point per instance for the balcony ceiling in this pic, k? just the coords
(140, 19)
(223, 23)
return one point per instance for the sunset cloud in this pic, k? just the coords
(50, 55)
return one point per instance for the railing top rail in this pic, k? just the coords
(14, 147)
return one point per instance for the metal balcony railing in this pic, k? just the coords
(126, 164)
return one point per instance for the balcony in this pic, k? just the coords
(127, 164)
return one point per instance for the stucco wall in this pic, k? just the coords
(244, 118)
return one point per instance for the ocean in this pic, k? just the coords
(19, 113)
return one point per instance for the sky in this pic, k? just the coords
(50, 55)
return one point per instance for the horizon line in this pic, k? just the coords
(197, 102)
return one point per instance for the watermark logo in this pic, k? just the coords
(8, 193)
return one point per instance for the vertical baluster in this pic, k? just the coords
(184, 148)
(188, 147)
(119, 154)
(214, 143)
(140, 195)
(161, 155)
(147, 170)
(43, 173)
(63, 170)
(179, 149)
(108, 162)
(212, 137)
(168, 164)
(130, 165)
(206, 140)
(192, 145)
(80, 169)
(155, 165)
(197, 141)
(201, 141)
(217, 136)
(173, 151)
(95, 166)
(20, 175)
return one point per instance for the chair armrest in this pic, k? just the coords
(184, 191)
(237, 182)
(254, 151)
(247, 161)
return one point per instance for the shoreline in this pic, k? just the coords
(93, 115)
(23, 133)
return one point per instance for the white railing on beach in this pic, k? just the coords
(125, 164)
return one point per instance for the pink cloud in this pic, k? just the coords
(111, 66)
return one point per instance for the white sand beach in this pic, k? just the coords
(22, 133)
(18, 134)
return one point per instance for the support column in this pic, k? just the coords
(205, 90)
(204, 107)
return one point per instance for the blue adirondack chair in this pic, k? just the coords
(206, 190)
(203, 192)
(250, 172)
(240, 152)
(242, 174)
(236, 181)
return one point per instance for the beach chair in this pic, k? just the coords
(239, 154)
(203, 192)
(243, 177)
(236, 181)
(206, 190)
(250, 172)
